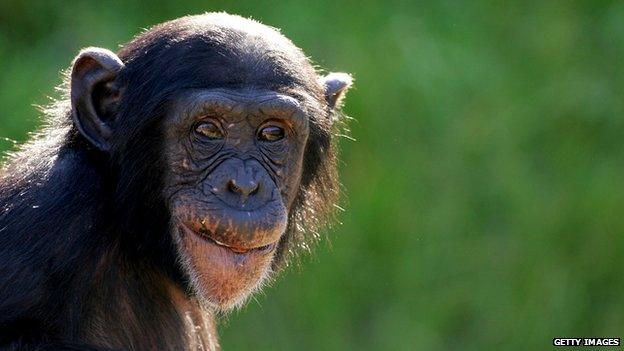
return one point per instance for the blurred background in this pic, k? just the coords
(484, 191)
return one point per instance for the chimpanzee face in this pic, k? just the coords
(224, 125)
(235, 161)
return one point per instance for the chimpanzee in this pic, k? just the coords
(173, 180)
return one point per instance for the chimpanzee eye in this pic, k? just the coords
(271, 133)
(209, 130)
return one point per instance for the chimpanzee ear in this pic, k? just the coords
(94, 94)
(336, 85)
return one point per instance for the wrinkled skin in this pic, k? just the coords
(230, 195)
(175, 177)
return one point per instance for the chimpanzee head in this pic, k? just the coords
(218, 133)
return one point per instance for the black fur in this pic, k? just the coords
(82, 230)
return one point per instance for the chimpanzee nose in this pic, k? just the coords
(245, 185)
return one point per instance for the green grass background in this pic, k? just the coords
(485, 191)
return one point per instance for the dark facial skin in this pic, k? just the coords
(176, 176)
(243, 123)
(234, 161)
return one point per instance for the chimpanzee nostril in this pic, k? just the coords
(246, 187)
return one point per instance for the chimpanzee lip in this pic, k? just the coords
(240, 250)
(235, 249)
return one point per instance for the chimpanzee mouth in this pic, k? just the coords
(241, 250)
(208, 236)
